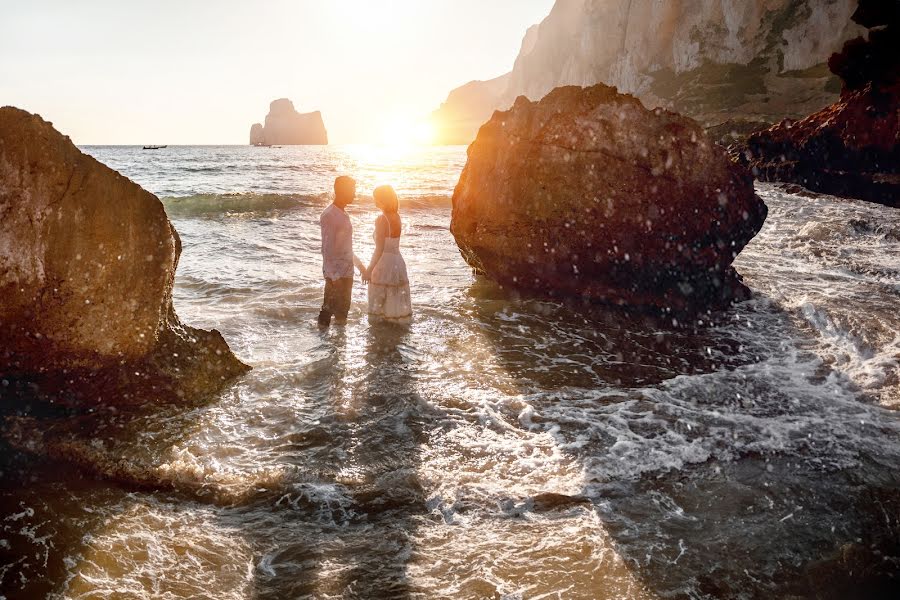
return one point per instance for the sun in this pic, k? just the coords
(403, 131)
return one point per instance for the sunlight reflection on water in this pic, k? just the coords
(500, 446)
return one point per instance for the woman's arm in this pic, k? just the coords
(380, 234)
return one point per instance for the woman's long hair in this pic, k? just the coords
(386, 199)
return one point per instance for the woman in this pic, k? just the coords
(388, 282)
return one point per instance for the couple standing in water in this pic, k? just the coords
(388, 283)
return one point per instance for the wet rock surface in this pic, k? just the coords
(589, 194)
(87, 263)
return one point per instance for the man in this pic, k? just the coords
(337, 254)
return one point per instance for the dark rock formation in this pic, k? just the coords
(284, 125)
(851, 148)
(712, 60)
(734, 131)
(87, 263)
(587, 193)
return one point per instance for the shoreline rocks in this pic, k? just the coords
(589, 194)
(87, 265)
(852, 147)
(284, 125)
(849, 149)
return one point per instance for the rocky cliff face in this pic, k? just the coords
(852, 147)
(466, 109)
(87, 263)
(587, 193)
(714, 60)
(284, 125)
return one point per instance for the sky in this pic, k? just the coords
(203, 71)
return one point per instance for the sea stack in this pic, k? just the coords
(852, 147)
(284, 125)
(87, 263)
(257, 134)
(589, 194)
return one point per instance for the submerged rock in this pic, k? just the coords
(87, 263)
(284, 125)
(852, 147)
(588, 193)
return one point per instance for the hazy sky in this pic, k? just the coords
(191, 71)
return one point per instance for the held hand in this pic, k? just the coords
(364, 274)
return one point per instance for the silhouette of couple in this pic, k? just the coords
(388, 283)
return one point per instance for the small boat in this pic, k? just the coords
(152, 147)
(262, 145)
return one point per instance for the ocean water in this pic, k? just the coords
(501, 446)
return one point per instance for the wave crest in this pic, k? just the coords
(216, 204)
(200, 205)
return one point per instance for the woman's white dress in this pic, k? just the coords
(389, 285)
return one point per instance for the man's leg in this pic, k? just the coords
(343, 294)
(326, 312)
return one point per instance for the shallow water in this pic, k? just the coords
(501, 446)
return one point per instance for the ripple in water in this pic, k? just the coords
(499, 447)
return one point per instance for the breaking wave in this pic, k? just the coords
(211, 205)
(220, 204)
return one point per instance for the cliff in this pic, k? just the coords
(713, 60)
(284, 125)
(466, 108)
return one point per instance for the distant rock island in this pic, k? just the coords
(757, 61)
(284, 125)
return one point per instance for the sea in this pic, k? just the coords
(500, 446)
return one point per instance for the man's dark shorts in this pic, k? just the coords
(337, 300)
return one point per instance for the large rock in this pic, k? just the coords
(284, 125)
(587, 193)
(755, 60)
(852, 147)
(87, 262)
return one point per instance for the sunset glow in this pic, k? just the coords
(401, 131)
(360, 62)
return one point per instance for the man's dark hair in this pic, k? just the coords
(343, 182)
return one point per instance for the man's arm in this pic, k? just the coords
(327, 227)
(359, 265)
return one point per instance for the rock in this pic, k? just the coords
(712, 60)
(734, 131)
(849, 149)
(852, 147)
(587, 193)
(257, 134)
(284, 125)
(87, 262)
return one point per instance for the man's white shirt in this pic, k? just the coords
(337, 243)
